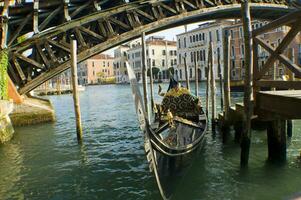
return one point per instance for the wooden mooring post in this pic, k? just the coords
(212, 85)
(291, 77)
(248, 90)
(207, 88)
(276, 140)
(226, 86)
(144, 75)
(196, 76)
(79, 131)
(186, 74)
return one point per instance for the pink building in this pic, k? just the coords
(97, 67)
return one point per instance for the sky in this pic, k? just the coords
(169, 34)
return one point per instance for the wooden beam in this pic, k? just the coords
(282, 46)
(144, 14)
(28, 60)
(66, 10)
(168, 8)
(285, 20)
(282, 58)
(79, 9)
(19, 29)
(61, 46)
(43, 56)
(19, 69)
(50, 52)
(48, 19)
(92, 33)
(120, 23)
(80, 38)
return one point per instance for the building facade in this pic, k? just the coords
(161, 54)
(273, 37)
(120, 57)
(193, 46)
(92, 70)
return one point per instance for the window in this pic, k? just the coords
(197, 37)
(232, 51)
(93, 65)
(171, 62)
(147, 52)
(171, 52)
(153, 52)
(163, 52)
(233, 64)
(201, 55)
(191, 56)
(175, 52)
(175, 61)
(179, 42)
(242, 50)
(190, 39)
(240, 32)
(163, 63)
(190, 72)
(154, 63)
(200, 36)
(203, 36)
(185, 42)
(104, 63)
(180, 73)
(217, 36)
(210, 36)
(231, 34)
(194, 38)
(180, 59)
(198, 55)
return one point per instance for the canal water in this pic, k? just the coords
(45, 162)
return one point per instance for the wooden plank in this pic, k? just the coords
(28, 60)
(279, 84)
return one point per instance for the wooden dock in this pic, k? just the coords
(285, 104)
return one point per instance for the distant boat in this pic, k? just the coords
(173, 136)
(81, 88)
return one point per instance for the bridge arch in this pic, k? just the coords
(103, 30)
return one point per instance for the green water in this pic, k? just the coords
(45, 162)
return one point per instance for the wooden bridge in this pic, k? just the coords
(37, 37)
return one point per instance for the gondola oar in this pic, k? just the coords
(144, 124)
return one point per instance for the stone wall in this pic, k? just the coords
(6, 128)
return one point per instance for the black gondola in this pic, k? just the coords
(173, 136)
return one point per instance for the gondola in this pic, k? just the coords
(173, 135)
